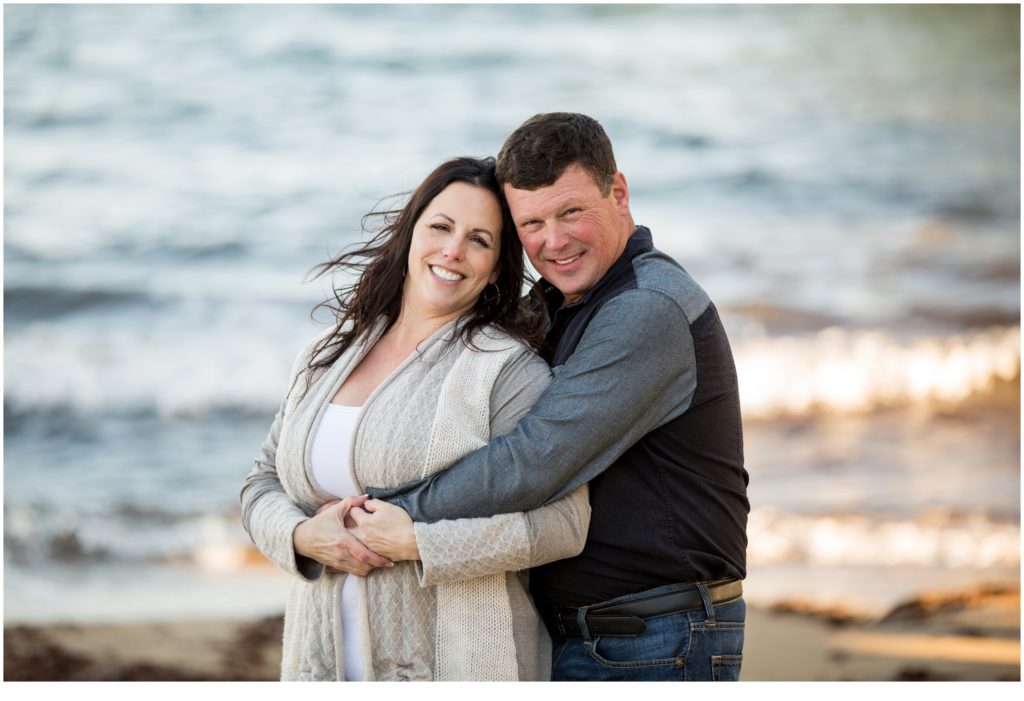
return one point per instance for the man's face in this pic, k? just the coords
(570, 231)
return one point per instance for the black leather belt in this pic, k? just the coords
(626, 619)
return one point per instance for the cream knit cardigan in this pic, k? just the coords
(462, 612)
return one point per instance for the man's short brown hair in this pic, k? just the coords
(537, 153)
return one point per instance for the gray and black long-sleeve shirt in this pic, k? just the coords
(644, 406)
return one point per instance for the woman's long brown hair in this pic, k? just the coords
(381, 266)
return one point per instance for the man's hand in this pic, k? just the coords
(326, 539)
(387, 529)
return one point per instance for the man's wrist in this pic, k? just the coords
(299, 540)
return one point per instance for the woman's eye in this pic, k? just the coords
(439, 227)
(480, 240)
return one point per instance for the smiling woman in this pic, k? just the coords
(454, 256)
(432, 354)
(385, 264)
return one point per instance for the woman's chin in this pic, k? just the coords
(444, 306)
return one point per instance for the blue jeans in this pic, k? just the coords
(701, 645)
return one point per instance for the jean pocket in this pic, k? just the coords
(608, 652)
(726, 668)
(663, 643)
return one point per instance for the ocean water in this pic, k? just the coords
(844, 181)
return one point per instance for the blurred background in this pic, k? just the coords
(843, 180)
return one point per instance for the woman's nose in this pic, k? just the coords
(454, 250)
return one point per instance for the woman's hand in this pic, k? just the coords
(325, 539)
(387, 529)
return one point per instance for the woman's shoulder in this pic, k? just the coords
(518, 361)
(491, 338)
(315, 343)
(316, 347)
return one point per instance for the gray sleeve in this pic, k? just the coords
(633, 370)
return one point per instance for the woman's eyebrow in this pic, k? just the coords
(478, 229)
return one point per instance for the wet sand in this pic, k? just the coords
(969, 635)
(961, 635)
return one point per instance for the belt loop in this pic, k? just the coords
(581, 621)
(709, 608)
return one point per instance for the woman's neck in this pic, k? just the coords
(413, 326)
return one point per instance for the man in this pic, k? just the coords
(644, 406)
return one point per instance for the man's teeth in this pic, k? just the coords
(446, 274)
(566, 260)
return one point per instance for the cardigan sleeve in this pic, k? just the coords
(460, 549)
(269, 515)
(454, 550)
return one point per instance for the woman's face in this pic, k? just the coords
(454, 250)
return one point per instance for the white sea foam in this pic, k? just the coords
(168, 372)
(936, 539)
(845, 371)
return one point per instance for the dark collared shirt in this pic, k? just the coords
(673, 506)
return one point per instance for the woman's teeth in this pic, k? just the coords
(446, 275)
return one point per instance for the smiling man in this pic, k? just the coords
(644, 406)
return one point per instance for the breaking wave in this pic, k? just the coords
(166, 374)
(843, 371)
(938, 538)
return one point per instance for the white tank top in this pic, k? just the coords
(331, 470)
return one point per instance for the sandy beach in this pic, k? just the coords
(963, 635)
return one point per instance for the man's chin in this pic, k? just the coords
(570, 292)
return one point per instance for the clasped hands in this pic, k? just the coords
(357, 535)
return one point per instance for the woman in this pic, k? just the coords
(428, 360)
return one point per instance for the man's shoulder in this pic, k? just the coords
(658, 273)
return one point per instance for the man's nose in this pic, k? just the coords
(557, 238)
